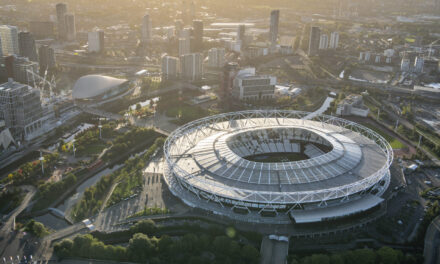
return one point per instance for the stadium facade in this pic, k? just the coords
(269, 165)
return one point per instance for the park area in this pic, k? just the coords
(394, 142)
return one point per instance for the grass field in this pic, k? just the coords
(394, 142)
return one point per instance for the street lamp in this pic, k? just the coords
(100, 127)
(74, 150)
(41, 162)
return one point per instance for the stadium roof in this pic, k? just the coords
(208, 154)
(90, 86)
(344, 209)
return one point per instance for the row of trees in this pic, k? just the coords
(49, 191)
(384, 255)
(29, 172)
(130, 140)
(36, 228)
(9, 200)
(131, 179)
(93, 196)
(142, 247)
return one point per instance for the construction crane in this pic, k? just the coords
(40, 83)
(430, 47)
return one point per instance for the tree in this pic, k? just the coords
(317, 259)
(388, 255)
(250, 254)
(365, 256)
(64, 248)
(140, 248)
(144, 226)
(336, 259)
(138, 106)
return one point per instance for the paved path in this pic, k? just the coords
(431, 251)
(7, 233)
(321, 110)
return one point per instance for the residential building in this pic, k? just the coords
(96, 41)
(26, 44)
(352, 105)
(20, 107)
(418, 64)
(198, 36)
(191, 66)
(334, 40)
(248, 86)
(184, 46)
(9, 40)
(229, 72)
(21, 68)
(61, 9)
(70, 27)
(323, 42)
(46, 57)
(146, 29)
(216, 57)
(170, 67)
(315, 35)
(241, 32)
(273, 30)
(178, 27)
(405, 64)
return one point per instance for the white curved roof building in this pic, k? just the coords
(90, 87)
(276, 161)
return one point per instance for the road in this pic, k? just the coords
(273, 251)
(8, 236)
(432, 242)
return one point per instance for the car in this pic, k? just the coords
(428, 182)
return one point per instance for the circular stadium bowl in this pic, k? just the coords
(270, 162)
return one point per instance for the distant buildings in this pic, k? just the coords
(9, 40)
(184, 46)
(198, 36)
(146, 29)
(405, 64)
(21, 66)
(216, 57)
(273, 31)
(41, 29)
(418, 64)
(96, 41)
(229, 72)
(352, 105)
(46, 56)
(334, 40)
(61, 9)
(241, 31)
(178, 27)
(315, 35)
(170, 67)
(248, 86)
(323, 42)
(20, 108)
(191, 66)
(70, 27)
(17, 68)
(26, 44)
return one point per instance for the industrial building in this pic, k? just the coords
(249, 86)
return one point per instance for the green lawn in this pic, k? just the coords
(394, 142)
(185, 113)
(92, 150)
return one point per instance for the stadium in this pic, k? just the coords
(278, 166)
